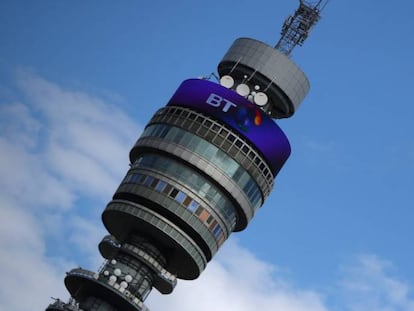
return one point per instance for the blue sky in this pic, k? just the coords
(78, 82)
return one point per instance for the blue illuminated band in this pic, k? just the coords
(245, 118)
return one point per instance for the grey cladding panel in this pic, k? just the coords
(274, 66)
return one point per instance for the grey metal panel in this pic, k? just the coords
(270, 63)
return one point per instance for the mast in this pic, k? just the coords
(296, 28)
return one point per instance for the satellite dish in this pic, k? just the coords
(227, 81)
(124, 284)
(260, 99)
(243, 89)
(128, 278)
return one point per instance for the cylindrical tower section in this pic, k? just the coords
(264, 69)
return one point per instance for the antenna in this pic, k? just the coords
(296, 28)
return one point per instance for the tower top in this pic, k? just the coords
(296, 28)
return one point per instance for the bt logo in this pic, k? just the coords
(243, 116)
(216, 101)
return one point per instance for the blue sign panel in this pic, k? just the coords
(239, 114)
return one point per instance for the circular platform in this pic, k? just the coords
(83, 283)
(185, 259)
(255, 63)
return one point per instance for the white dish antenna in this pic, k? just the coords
(227, 81)
(260, 99)
(243, 89)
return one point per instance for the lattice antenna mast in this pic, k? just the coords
(296, 28)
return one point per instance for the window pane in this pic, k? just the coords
(160, 186)
(174, 193)
(148, 180)
(193, 206)
(167, 189)
(204, 215)
(187, 201)
(199, 211)
(154, 183)
(180, 197)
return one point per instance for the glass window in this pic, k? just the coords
(217, 231)
(185, 139)
(154, 183)
(148, 181)
(238, 174)
(160, 186)
(164, 131)
(208, 123)
(174, 193)
(180, 197)
(204, 215)
(199, 210)
(223, 132)
(141, 178)
(135, 178)
(209, 152)
(216, 127)
(173, 134)
(167, 189)
(245, 179)
(187, 201)
(193, 206)
(213, 224)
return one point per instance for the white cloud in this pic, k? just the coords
(28, 278)
(57, 147)
(85, 235)
(238, 281)
(23, 129)
(369, 284)
(25, 176)
(87, 140)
